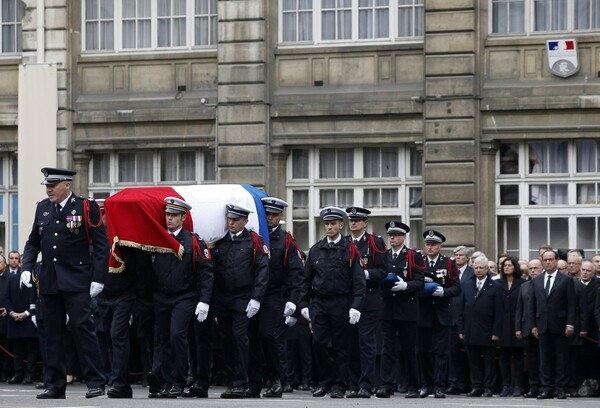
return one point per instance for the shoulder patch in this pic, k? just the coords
(43, 199)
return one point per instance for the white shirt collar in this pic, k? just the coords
(176, 232)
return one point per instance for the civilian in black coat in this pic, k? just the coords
(553, 308)
(511, 348)
(5, 362)
(479, 325)
(589, 362)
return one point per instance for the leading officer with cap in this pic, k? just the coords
(399, 312)
(365, 334)
(69, 232)
(241, 277)
(442, 283)
(180, 287)
(335, 287)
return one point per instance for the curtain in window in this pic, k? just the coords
(126, 167)
(389, 162)
(144, 167)
(587, 14)
(136, 23)
(371, 164)
(297, 19)
(336, 19)
(210, 171)
(187, 166)
(299, 164)
(12, 14)
(586, 156)
(373, 18)
(371, 197)
(327, 163)
(389, 197)
(345, 163)
(327, 198)
(168, 166)
(205, 23)
(550, 15)
(345, 198)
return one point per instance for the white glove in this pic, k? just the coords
(290, 321)
(354, 316)
(439, 291)
(399, 285)
(366, 274)
(289, 309)
(252, 308)
(304, 312)
(428, 279)
(201, 311)
(66, 319)
(33, 320)
(96, 288)
(25, 279)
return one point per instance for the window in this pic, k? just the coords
(129, 25)
(307, 21)
(11, 14)
(177, 166)
(548, 193)
(513, 16)
(385, 180)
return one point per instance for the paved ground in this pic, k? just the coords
(23, 396)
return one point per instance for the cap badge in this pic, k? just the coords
(430, 233)
(353, 211)
(392, 224)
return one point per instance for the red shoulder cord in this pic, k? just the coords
(450, 270)
(197, 250)
(355, 253)
(256, 246)
(410, 261)
(373, 246)
(289, 242)
(87, 221)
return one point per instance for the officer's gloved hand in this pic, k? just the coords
(66, 319)
(201, 311)
(399, 285)
(25, 279)
(96, 288)
(34, 320)
(289, 309)
(304, 312)
(354, 316)
(428, 279)
(252, 308)
(290, 321)
(439, 292)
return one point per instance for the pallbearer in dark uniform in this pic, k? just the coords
(69, 232)
(365, 334)
(182, 287)
(241, 277)
(281, 298)
(435, 315)
(335, 288)
(399, 311)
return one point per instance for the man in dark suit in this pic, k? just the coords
(435, 315)
(69, 232)
(589, 361)
(399, 311)
(523, 324)
(365, 334)
(479, 325)
(553, 307)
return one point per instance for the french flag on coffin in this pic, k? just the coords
(135, 216)
(561, 45)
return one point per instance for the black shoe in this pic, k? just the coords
(320, 392)
(488, 394)
(287, 388)
(411, 394)
(545, 395)
(452, 390)
(351, 394)
(573, 393)
(336, 393)
(561, 394)
(197, 391)
(384, 393)
(94, 392)
(27, 380)
(164, 391)
(363, 393)
(275, 391)
(40, 386)
(475, 392)
(424, 392)
(301, 387)
(439, 394)
(119, 393)
(15, 379)
(234, 393)
(251, 393)
(50, 394)
(533, 393)
(175, 391)
(154, 383)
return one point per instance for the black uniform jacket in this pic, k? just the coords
(403, 305)
(374, 262)
(69, 262)
(330, 272)
(285, 267)
(445, 273)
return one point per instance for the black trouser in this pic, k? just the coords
(511, 366)
(554, 351)
(433, 355)
(532, 351)
(363, 351)
(173, 313)
(77, 306)
(116, 312)
(233, 329)
(203, 344)
(458, 363)
(25, 352)
(5, 361)
(299, 353)
(143, 319)
(482, 366)
(330, 322)
(405, 333)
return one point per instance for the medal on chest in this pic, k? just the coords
(74, 222)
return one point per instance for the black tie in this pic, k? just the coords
(58, 208)
(356, 242)
(547, 287)
(394, 256)
(431, 263)
(331, 244)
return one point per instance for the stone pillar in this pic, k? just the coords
(243, 110)
(277, 171)
(450, 120)
(486, 231)
(81, 164)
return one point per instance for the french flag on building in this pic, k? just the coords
(561, 45)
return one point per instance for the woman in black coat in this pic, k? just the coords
(511, 348)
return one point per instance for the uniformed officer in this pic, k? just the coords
(365, 335)
(335, 287)
(442, 283)
(180, 287)
(241, 277)
(69, 232)
(281, 298)
(400, 311)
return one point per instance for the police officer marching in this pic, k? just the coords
(69, 233)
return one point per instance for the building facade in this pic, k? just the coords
(442, 113)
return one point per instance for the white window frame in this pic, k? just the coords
(118, 32)
(393, 35)
(15, 24)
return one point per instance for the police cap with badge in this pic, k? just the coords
(397, 227)
(55, 175)
(357, 213)
(176, 205)
(273, 205)
(237, 211)
(434, 236)
(332, 214)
